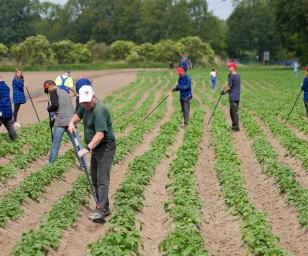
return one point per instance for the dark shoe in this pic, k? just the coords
(97, 217)
(235, 129)
(106, 213)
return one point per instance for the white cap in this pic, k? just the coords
(85, 93)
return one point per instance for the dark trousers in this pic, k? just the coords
(306, 106)
(9, 126)
(16, 109)
(101, 161)
(185, 107)
(234, 114)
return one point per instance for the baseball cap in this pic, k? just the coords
(180, 71)
(85, 93)
(232, 65)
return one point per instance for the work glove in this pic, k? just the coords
(222, 92)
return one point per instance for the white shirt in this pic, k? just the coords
(213, 74)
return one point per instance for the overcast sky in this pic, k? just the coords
(220, 8)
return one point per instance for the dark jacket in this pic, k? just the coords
(305, 89)
(18, 91)
(184, 86)
(234, 83)
(5, 101)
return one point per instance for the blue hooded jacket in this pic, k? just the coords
(5, 101)
(184, 86)
(18, 91)
(305, 88)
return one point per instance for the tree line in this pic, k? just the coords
(255, 26)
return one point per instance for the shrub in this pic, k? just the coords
(120, 49)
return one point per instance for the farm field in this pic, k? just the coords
(202, 190)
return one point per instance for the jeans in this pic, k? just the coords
(213, 84)
(16, 109)
(185, 107)
(9, 126)
(101, 161)
(234, 114)
(58, 132)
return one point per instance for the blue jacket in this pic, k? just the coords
(5, 101)
(18, 91)
(184, 86)
(305, 88)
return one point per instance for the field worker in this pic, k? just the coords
(233, 88)
(305, 89)
(184, 86)
(65, 82)
(100, 140)
(62, 105)
(295, 68)
(6, 115)
(185, 63)
(18, 94)
(213, 76)
(81, 82)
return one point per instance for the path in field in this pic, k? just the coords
(264, 194)
(220, 230)
(153, 219)
(34, 210)
(104, 83)
(74, 241)
(283, 155)
(22, 174)
(301, 135)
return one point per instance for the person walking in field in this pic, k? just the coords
(295, 68)
(184, 86)
(213, 76)
(6, 115)
(62, 105)
(100, 140)
(19, 97)
(305, 89)
(65, 82)
(233, 88)
(81, 82)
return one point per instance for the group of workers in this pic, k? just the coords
(98, 132)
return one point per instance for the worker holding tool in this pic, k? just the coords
(6, 115)
(305, 89)
(61, 104)
(100, 140)
(233, 88)
(184, 86)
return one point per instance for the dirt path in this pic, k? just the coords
(34, 210)
(298, 133)
(221, 230)
(153, 217)
(283, 155)
(266, 197)
(22, 174)
(104, 83)
(74, 241)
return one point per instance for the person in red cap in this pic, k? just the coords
(305, 89)
(184, 86)
(234, 89)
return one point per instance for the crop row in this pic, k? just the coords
(256, 232)
(184, 206)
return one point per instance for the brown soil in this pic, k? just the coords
(33, 210)
(74, 241)
(283, 155)
(266, 197)
(153, 219)
(295, 130)
(220, 229)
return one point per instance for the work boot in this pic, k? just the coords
(97, 216)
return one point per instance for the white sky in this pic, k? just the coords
(220, 8)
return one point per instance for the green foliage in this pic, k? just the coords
(166, 50)
(3, 51)
(120, 49)
(35, 50)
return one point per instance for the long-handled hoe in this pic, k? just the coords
(84, 164)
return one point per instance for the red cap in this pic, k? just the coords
(180, 71)
(306, 68)
(232, 65)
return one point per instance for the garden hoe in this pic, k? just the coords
(83, 163)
